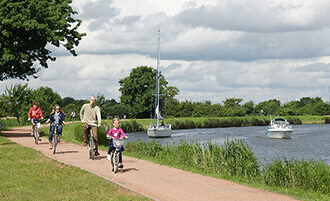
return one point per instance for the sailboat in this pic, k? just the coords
(158, 130)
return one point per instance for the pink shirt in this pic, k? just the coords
(116, 133)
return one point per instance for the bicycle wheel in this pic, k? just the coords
(55, 139)
(36, 136)
(116, 162)
(91, 149)
(111, 160)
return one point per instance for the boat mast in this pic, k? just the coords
(157, 86)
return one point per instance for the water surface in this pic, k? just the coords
(308, 141)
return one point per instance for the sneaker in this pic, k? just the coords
(50, 146)
(97, 153)
(85, 144)
(32, 133)
(58, 141)
(109, 157)
(39, 138)
(121, 165)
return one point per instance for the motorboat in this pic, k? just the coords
(279, 128)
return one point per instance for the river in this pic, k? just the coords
(308, 141)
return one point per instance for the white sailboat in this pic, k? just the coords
(158, 130)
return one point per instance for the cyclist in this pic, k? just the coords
(90, 114)
(35, 113)
(116, 133)
(57, 117)
(73, 115)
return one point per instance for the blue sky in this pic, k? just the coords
(211, 50)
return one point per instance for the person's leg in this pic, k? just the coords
(59, 129)
(50, 139)
(94, 129)
(85, 132)
(39, 126)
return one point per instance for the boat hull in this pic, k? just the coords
(159, 132)
(279, 134)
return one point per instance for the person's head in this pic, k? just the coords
(35, 105)
(116, 122)
(92, 100)
(57, 108)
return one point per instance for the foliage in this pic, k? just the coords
(46, 99)
(15, 101)
(27, 27)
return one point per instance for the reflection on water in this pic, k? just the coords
(308, 141)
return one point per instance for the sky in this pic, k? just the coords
(211, 50)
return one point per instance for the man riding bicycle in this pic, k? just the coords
(35, 113)
(90, 114)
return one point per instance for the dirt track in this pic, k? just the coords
(157, 181)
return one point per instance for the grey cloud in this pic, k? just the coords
(100, 12)
(316, 67)
(256, 16)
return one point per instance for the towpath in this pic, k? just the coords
(157, 181)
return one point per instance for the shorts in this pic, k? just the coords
(38, 124)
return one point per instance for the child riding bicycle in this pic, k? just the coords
(57, 118)
(116, 133)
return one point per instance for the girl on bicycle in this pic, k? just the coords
(57, 118)
(116, 133)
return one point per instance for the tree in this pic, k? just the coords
(138, 90)
(15, 101)
(47, 99)
(67, 101)
(27, 27)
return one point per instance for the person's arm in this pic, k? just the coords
(109, 133)
(42, 117)
(123, 134)
(49, 119)
(99, 116)
(82, 111)
(63, 118)
(29, 115)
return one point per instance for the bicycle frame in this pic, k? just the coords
(55, 137)
(36, 130)
(91, 145)
(118, 144)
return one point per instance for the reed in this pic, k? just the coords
(233, 158)
(307, 175)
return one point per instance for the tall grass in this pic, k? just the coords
(235, 158)
(307, 175)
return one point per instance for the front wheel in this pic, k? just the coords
(55, 139)
(116, 162)
(36, 136)
(91, 149)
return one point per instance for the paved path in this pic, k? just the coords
(158, 181)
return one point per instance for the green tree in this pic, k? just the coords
(67, 101)
(15, 101)
(27, 27)
(47, 99)
(138, 90)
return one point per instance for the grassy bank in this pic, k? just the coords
(28, 175)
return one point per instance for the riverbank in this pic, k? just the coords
(191, 157)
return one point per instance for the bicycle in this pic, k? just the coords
(55, 137)
(91, 145)
(36, 130)
(118, 144)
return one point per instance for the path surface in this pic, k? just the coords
(158, 181)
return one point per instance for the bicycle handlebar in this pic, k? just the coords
(90, 126)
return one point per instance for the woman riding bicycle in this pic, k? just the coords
(57, 118)
(35, 113)
(116, 133)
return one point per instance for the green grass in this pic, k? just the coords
(26, 174)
